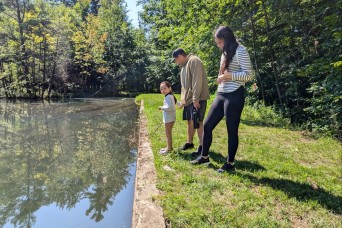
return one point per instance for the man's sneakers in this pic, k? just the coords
(197, 153)
(227, 167)
(187, 146)
(201, 160)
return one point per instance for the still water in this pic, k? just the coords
(67, 164)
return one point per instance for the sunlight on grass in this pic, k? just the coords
(283, 177)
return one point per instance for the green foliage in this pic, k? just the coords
(81, 47)
(326, 104)
(292, 45)
(257, 113)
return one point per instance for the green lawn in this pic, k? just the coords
(283, 177)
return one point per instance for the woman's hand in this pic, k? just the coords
(220, 78)
(224, 77)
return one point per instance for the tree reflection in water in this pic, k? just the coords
(62, 153)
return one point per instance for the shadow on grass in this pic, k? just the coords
(301, 191)
(240, 164)
(217, 157)
(262, 123)
(249, 166)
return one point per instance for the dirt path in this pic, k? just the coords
(146, 212)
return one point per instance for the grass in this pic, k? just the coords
(283, 178)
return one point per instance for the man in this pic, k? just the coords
(194, 94)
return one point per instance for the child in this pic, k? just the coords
(169, 114)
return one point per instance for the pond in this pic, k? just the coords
(67, 164)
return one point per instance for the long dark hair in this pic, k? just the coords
(230, 44)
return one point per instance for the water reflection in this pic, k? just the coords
(62, 153)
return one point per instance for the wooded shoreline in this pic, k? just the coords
(51, 48)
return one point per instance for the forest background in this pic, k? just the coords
(88, 48)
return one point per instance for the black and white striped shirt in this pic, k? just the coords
(241, 68)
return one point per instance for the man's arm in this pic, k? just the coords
(196, 70)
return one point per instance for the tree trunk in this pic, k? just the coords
(270, 45)
(255, 58)
(4, 85)
(24, 57)
(44, 67)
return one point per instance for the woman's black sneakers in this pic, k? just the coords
(197, 153)
(187, 146)
(227, 167)
(200, 160)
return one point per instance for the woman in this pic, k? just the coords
(235, 70)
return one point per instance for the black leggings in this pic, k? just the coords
(229, 105)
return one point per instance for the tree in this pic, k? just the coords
(15, 14)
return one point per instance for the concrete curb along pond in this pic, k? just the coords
(146, 211)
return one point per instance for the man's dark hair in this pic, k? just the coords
(177, 52)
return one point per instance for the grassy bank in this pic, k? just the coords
(283, 178)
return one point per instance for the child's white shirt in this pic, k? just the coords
(169, 109)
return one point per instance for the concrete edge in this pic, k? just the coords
(146, 211)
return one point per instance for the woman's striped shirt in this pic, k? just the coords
(241, 68)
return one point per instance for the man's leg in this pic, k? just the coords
(191, 132)
(187, 115)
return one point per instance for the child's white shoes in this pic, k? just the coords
(164, 151)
